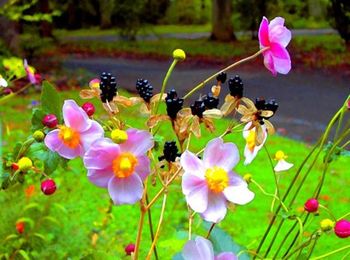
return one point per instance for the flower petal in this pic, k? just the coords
(281, 58)
(101, 154)
(75, 117)
(264, 33)
(190, 251)
(226, 256)
(91, 135)
(192, 164)
(216, 209)
(196, 191)
(143, 166)
(238, 193)
(200, 248)
(218, 153)
(100, 177)
(69, 153)
(269, 62)
(138, 143)
(283, 165)
(125, 190)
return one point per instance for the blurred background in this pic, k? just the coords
(70, 41)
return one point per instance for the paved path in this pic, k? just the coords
(307, 99)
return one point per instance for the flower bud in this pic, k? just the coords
(311, 205)
(38, 135)
(50, 121)
(20, 227)
(179, 54)
(89, 108)
(14, 166)
(326, 224)
(119, 136)
(248, 177)
(48, 187)
(279, 155)
(24, 164)
(129, 249)
(342, 228)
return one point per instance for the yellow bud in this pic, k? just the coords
(119, 136)
(280, 155)
(248, 177)
(179, 54)
(38, 135)
(24, 164)
(326, 224)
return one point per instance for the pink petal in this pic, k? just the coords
(238, 192)
(125, 190)
(264, 33)
(268, 62)
(143, 167)
(278, 33)
(200, 248)
(216, 209)
(192, 164)
(277, 21)
(218, 153)
(196, 192)
(75, 117)
(52, 141)
(226, 256)
(100, 177)
(138, 143)
(191, 251)
(91, 134)
(101, 154)
(281, 58)
(70, 153)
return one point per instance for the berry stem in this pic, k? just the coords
(200, 85)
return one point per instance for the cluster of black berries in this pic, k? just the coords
(145, 89)
(198, 108)
(270, 105)
(221, 77)
(173, 103)
(236, 87)
(210, 101)
(108, 86)
(170, 152)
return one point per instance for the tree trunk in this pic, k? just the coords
(45, 26)
(10, 35)
(222, 29)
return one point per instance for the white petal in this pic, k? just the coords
(283, 165)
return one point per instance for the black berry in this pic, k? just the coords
(145, 89)
(271, 105)
(221, 77)
(210, 101)
(108, 86)
(173, 103)
(236, 87)
(170, 152)
(198, 108)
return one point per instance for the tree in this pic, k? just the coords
(340, 13)
(222, 29)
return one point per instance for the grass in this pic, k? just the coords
(85, 204)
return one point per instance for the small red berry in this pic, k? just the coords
(20, 227)
(130, 249)
(14, 166)
(48, 187)
(311, 205)
(349, 104)
(342, 228)
(89, 108)
(50, 121)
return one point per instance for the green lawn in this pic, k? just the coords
(85, 204)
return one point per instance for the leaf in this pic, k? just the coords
(50, 159)
(37, 117)
(51, 219)
(223, 242)
(33, 205)
(178, 256)
(12, 236)
(26, 220)
(50, 100)
(41, 236)
(24, 254)
(60, 207)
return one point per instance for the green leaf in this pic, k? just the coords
(223, 242)
(41, 236)
(37, 117)
(60, 207)
(50, 100)
(26, 220)
(24, 254)
(10, 237)
(33, 205)
(51, 219)
(50, 159)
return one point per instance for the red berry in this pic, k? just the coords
(311, 205)
(14, 166)
(20, 227)
(50, 121)
(89, 108)
(130, 249)
(48, 187)
(342, 228)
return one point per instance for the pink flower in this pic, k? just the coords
(75, 137)
(209, 184)
(30, 73)
(275, 36)
(121, 168)
(201, 248)
(342, 228)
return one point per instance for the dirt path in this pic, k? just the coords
(307, 99)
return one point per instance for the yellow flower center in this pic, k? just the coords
(251, 140)
(69, 136)
(124, 165)
(217, 179)
(279, 155)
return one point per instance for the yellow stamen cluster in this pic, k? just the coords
(69, 136)
(251, 140)
(280, 155)
(217, 179)
(124, 165)
(119, 136)
(326, 224)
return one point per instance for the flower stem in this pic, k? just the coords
(151, 228)
(165, 81)
(330, 253)
(200, 85)
(210, 230)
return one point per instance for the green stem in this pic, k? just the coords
(151, 228)
(24, 148)
(329, 212)
(165, 81)
(274, 173)
(200, 85)
(330, 253)
(342, 217)
(303, 245)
